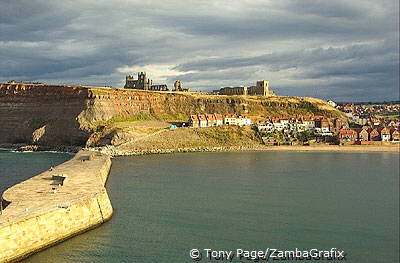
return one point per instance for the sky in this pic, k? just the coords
(339, 49)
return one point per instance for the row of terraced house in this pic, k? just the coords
(215, 119)
(369, 135)
(318, 124)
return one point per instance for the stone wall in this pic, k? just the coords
(38, 217)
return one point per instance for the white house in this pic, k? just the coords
(279, 126)
(219, 119)
(265, 127)
(230, 119)
(202, 121)
(244, 120)
(332, 103)
(309, 124)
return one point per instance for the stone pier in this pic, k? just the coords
(55, 205)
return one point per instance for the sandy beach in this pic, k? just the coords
(338, 148)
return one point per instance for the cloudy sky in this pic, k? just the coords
(338, 49)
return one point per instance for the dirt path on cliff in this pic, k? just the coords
(141, 138)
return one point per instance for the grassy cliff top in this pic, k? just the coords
(272, 106)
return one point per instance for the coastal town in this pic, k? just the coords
(186, 131)
(359, 124)
(364, 123)
(371, 123)
(317, 129)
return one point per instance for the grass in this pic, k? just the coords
(389, 115)
(102, 126)
(173, 117)
(133, 118)
(222, 135)
(227, 135)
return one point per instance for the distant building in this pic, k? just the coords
(232, 91)
(395, 135)
(278, 124)
(261, 89)
(161, 87)
(347, 136)
(244, 120)
(375, 134)
(202, 121)
(332, 103)
(178, 86)
(364, 134)
(322, 125)
(230, 119)
(264, 127)
(386, 134)
(194, 121)
(219, 119)
(213, 120)
(142, 83)
(309, 123)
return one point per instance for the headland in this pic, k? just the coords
(135, 121)
(52, 116)
(71, 197)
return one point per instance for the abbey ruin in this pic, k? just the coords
(261, 89)
(143, 83)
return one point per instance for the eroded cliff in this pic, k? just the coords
(42, 114)
(64, 115)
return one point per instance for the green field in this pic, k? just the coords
(389, 115)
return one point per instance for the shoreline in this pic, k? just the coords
(339, 148)
(23, 147)
(113, 152)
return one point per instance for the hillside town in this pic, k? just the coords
(300, 130)
(371, 123)
(304, 130)
(372, 114)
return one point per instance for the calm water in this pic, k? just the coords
(166, 205)
(16, 166)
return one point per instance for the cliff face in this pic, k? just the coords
(61, 115)
(107, 103)
(41, 114)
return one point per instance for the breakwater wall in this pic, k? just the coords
(55, 205)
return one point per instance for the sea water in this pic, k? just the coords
(167, 205)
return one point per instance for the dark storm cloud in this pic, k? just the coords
(297, 58)
(32, 20)
(329, 49)
(338, 8)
